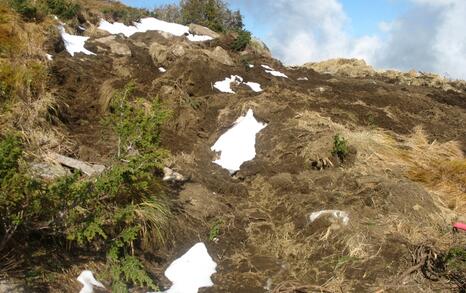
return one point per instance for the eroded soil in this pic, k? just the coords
(265, 236)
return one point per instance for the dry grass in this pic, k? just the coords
(440, 167)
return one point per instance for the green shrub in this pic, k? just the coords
(213, 14)
(340, 147)
(241, 41)
(124, 14)
(137, 123)
(63, 8)
(113, 214)
(36, 10)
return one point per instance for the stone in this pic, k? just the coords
(196, 29)
(159, 53)
(220, 55)
(48, 171)
(259, 48)
(115, 46)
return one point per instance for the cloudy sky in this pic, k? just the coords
(427, 35)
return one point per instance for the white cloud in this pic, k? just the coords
(428, 37)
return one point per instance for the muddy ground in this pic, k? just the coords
(265, 239)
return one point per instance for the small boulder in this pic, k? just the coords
(115, 46)
(196, 29)
(177, 50)
(259, 48)
(158, 52)
(220, 55)
(48, 171)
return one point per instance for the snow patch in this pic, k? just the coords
(225, 85)
(87, 279)
(237, 145)
(49, 57)
(191, 271)
(267, 67)
(151, 24)
(250, 65)
(338, 215)
(163, 70)
(74, 44)
(303, 78)
(254, 86)
(273, 72)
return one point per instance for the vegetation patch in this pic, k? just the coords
(116, 214)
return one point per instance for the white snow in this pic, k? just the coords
(251, 65)
(49, 57)
(276, 73)
(338, 215)
(87, 279)
(191, 271)
(237, 145)
(225, 85)
(303, 78)
(163, 70)
(150, 24)
(267, 67)
(74, 44)
(81, 28)
(254, 86)
(270, 70)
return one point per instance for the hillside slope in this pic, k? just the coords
(400, 179)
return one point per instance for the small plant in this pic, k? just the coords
(340, 147)
(241, 41)
(215, 230)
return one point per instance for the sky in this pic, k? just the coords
(426, 35)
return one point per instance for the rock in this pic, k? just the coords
(48, 171)
(343, 67)
(11, 287)
(84, 167)
(115, 46)
(196, 29)
(159, 53)
(170, 175)
(260, 48)
(220, 55)
(177, 50)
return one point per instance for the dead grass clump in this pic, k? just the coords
(439, 166)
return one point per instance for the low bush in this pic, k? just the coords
(124, 14)
(340, 147)
(114, 214)
(37, 10)
(241, 41)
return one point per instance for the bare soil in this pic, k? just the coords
(265, 236)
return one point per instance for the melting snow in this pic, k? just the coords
(267, 67)
(74, 44)
(254, 86)
(191, 271)
(237, 145)
(150, 24)
(225, 85)
(251, 65)
(339, 215)
(49, 57)
(303, 78)
(270, 70)
(161, 69)
(87, 279)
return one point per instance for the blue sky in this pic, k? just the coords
(365, 15)
(426, 35)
